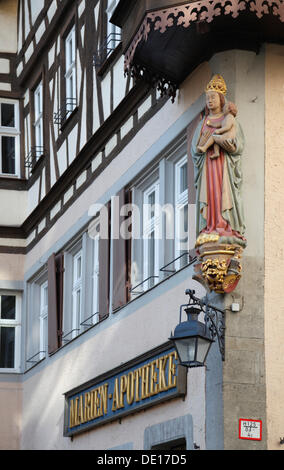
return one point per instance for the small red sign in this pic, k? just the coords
(250, 429)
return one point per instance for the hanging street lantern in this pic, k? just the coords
(192, 338)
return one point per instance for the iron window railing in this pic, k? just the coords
(32, 157)
(191, 259)
(65, 111)
(107, 47)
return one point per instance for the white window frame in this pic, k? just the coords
(38, 117)
(77, 287)
(95, 280)
(151, 225)
(111, 28)
(181, 201)
(43, 321)
(172, 203)
(17, 325)
(11, 132)
(70, 69)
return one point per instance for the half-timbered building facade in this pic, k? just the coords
(99, 100)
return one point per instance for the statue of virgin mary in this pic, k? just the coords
(218, 179)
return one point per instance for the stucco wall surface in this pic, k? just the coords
(274, 241)
(10, 413)
(8, 25)
(134, 330)
(244, 367)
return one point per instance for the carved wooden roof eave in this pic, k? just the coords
(186, 15)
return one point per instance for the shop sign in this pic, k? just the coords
(146, 381)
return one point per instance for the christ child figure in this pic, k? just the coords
(224, 131)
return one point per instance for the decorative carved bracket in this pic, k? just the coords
(186, 15)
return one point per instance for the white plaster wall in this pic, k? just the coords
(12, 267)
(274, 238)
(13, 208)
(139, 327)
(117, 341)
(8, 25)
(10, 414)
(191, 90)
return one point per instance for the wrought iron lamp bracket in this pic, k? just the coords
(214, 318)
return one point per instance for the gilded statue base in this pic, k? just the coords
(219, 264)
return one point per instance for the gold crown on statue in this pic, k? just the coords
(217, 83)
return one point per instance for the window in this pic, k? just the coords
(77, 292)
(95, 279)
(43, 320)
(38, 122)
(161, 246)
(37, 319)
(81, 286)
(151, 234)
(181, 212)
(9, 138)
(70, 71)
(113, 32)
(177, 444)
(10, 305)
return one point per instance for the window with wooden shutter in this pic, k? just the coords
(104, 261)
(55, 302)
(121, 250)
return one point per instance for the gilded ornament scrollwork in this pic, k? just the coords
(219, 267)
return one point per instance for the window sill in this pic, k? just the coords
(162, 281)
(13, 182)
(37, 164)
(109, 61)
(34, 365)
(78, 336)
(66, 121)
(10, 371)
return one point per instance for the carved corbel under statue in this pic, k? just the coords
(217, 146)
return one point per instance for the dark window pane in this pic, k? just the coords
(151, 258)
(183, 178)
(178, 444)
(151, 199)
(7, 348)
(8, 155)
(8, 307)
(7, 115)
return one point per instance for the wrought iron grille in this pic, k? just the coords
(106, 48)
(214, 318)
(64, 112)
(32, 157)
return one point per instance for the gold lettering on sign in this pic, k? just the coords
(148, 380)
(154, 386)
(172, 379)
(162, 378)
(104, 398)
(130, 388)
(137, 374)
(115, 399)
(123, 389)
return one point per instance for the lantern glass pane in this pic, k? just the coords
(186, 349)
(202, 350)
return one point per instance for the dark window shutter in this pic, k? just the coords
(128, 200)
(121, 255)
(55, 301)
(104, 271)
